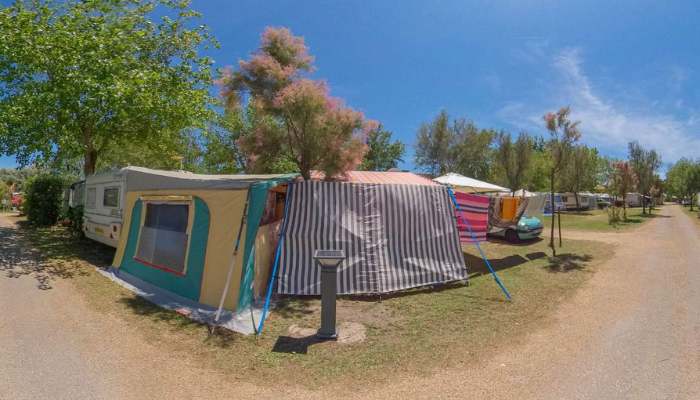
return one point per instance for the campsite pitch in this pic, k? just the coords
(597, 220)
(412, 332)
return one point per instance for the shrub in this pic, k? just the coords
(613, 215)
(43, 198)
(75, 216)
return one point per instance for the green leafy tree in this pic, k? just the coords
(536, 177)
(624, 181)
(563, 134)
(5, 196)
(433, 145)
(645, 164)
(580, 173)
(88, 78)
(513, 158)
(683, 179)
(458, 146)
(471, 152)
(15, 178)
(382, 154)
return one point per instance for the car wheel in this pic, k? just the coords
(512, 236)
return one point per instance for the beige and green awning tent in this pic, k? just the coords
(199, 242)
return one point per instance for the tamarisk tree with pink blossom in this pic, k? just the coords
(563, 134)
(290, 116)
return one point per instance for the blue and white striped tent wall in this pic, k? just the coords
(394, 236)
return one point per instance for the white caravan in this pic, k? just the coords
(103, 213)
(633, 199)
(584, 201)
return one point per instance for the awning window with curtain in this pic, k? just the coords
(164, 237)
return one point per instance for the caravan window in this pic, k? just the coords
(164, 236)
(111, 197)
(91, 200)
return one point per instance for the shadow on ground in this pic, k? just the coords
(519, 243)
(477, 266)
(47, 254)
(567, 262)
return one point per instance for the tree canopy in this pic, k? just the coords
(683, 179)
(294, 118)
(645, 164)
(563, 133)
(580, 172)
(82, 79)
(382, 154)
(459, 146)
(514, 158)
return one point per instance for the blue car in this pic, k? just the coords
(528, 228)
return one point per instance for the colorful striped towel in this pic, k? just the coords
(474, 210)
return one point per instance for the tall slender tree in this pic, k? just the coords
(624, 181)
(514, 158)
(433, 145)
(563, 134)
(645, 164)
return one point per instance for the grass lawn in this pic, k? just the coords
(413, 332)
(597, 220)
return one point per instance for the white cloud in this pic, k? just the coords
(608, 125)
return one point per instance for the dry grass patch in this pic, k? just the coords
(413, 332)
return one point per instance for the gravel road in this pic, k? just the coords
(632, 332)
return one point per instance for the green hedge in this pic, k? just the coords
(43, 199)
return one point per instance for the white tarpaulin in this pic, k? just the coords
(461, 183)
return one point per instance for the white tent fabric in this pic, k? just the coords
(524, 193)
(465, 184)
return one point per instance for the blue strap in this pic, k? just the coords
(275, 265)
(469, 228)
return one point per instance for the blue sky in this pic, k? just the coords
(629, 69)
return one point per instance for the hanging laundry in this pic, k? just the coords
(472, 209)
(502, 213)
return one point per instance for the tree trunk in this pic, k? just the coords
(578, 203)
(90, 161)
(559, 223)
(551, 201)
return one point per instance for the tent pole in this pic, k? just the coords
(233, 261)
(275, 265)
(486, 260)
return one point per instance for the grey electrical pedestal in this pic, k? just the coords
(329, 260)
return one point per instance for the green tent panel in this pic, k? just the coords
(188, 285)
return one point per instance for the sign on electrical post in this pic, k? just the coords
(329, 260)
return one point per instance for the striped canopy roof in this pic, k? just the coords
(388, 177)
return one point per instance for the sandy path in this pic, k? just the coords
(54, 346)
(633, 332)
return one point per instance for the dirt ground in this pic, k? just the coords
(632, 332)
